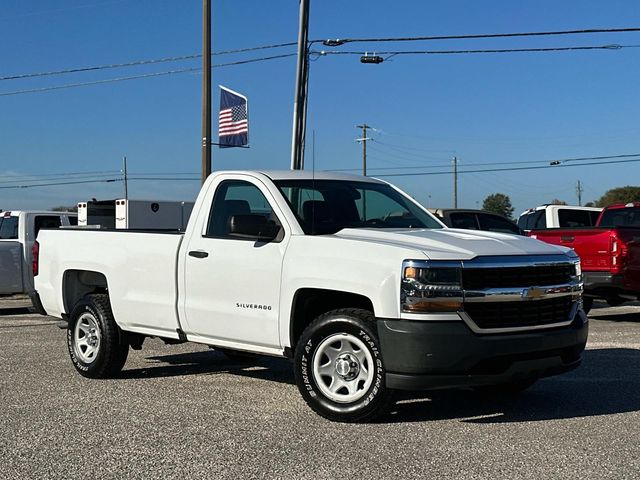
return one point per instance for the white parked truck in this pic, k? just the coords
(558, 216)
(349, 277)
(135, 214)
(18, 231)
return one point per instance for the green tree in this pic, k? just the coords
(498, 203)
(557, 201)
(619, 195)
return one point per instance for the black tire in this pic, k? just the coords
(110, 350)
(587, 303)
(355, 327)
(508, 389)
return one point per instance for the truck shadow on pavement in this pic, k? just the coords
(607, 383)
(616, 317)
(13, 311)
(211, 362)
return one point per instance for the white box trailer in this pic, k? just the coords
(135, 214)
(147, 214)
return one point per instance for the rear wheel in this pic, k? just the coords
(94, 340)
(339, 367)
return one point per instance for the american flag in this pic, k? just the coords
(233, 123)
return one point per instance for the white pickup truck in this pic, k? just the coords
(18, 231)
(348, 276)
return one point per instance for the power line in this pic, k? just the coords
(146, 75)
(484, 164)
(66, 174)
(353, 40)
(110, 180)
(497, 50)
(483, 35)
(507, 169)
(45, 178)
(136, 63)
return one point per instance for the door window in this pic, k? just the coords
(237, 197)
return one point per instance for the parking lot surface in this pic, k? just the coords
(186, 411)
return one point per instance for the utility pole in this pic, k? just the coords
(364, 139)
(455, 182)
(579, 191)
(206, 89)
(126, 183)
(300, 97)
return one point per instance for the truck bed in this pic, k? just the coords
(139, 265)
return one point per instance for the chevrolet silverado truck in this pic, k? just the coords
(18, 231)
(609, 251)
(349, 277)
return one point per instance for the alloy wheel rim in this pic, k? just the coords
(86, 338)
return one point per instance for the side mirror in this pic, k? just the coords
(253, 227)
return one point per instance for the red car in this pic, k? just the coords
(609, 252)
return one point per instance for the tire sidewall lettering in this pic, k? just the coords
(304, 366)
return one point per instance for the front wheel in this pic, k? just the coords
(94, 339)
(339, 367)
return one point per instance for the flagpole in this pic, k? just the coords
(206, 89)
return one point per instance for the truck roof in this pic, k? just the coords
(554, 206)
(623, 205)
(317, 175)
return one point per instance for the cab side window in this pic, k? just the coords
(237, 198)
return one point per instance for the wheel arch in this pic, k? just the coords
(76, 284)
(309, 303)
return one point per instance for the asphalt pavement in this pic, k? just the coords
(185, 411)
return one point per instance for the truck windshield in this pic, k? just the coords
(327, 206)
(621, 217)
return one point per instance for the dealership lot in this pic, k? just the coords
(187, 411)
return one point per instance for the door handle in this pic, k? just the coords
(198, 254)
(567, 239)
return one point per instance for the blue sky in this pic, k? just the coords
(481, 108)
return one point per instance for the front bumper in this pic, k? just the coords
(429, 354)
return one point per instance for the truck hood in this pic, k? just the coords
(453, 243)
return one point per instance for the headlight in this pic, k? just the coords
(431, 289)
(578, 269)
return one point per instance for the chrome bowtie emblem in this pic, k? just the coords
(532, 293)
